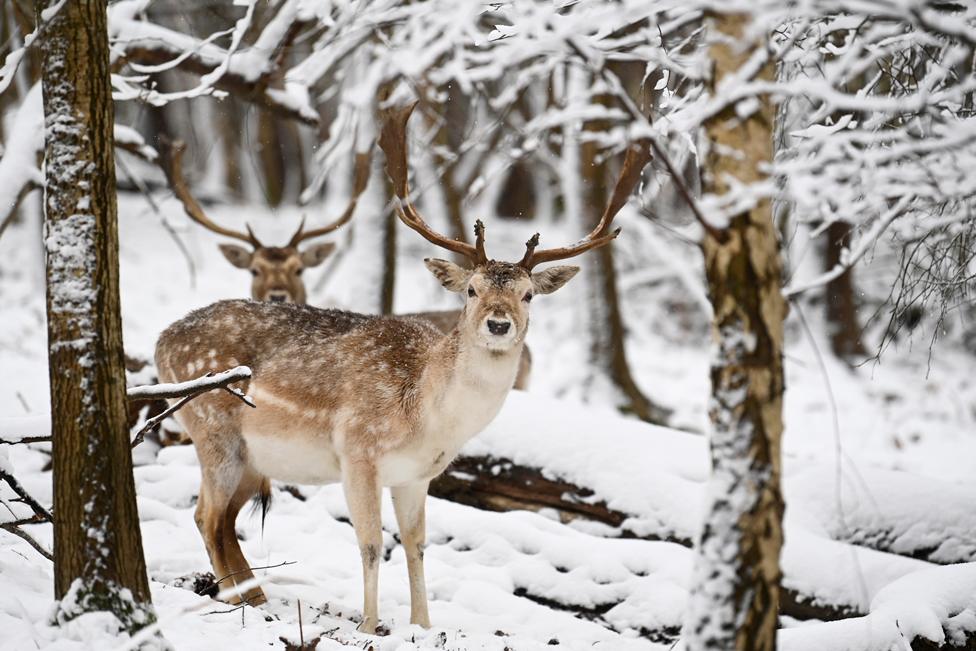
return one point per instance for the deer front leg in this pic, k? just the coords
(362, 488)
(409, 502)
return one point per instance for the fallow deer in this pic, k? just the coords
(368, 401)
(277, 270)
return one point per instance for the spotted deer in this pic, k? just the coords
(368, 401)
(277, 270)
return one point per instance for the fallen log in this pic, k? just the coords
(499, 484)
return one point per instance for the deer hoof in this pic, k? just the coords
(368, 625)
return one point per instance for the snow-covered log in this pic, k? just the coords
(926, 610)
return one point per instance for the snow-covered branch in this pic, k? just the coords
(187, 391)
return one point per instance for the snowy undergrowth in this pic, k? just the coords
(499, 580)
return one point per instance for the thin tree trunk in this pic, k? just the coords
(735, 594)
(608, 354)
(842, 323)
(99, 564)
(388, 288)
(269, 155)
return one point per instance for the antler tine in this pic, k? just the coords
(638, 155)
(297, 237)
(393, 142)
(530, 245)
(172, 164)
(360, 181)
(479, 241)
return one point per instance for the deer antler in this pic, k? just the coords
(360, 181)
(638, 155)
(172, 164)
(393, 142)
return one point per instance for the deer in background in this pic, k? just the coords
(368, 401)
(277, 270)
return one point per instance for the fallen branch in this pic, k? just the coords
(187, 391)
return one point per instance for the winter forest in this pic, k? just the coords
(267, 373)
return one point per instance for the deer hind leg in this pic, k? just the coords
(409, 502)
(362, 488)
(207, 520)
(238, 569)
(226, 484)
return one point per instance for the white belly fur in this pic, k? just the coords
(300, 459)
(464, 409)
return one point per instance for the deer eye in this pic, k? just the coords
(527, 297)
(254, 272)
(298, 272)
(471, 291)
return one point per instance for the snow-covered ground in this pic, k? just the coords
(878, 476)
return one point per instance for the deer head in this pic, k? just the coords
(276, 270)
(498, 293)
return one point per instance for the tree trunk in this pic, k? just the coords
(608, 354)
(842, 323)
(388, 287)
(99, 564)
(269, 153)
(735, 594)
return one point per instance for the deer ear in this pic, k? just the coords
(236, 255)
(551, 279)
(315, 255)
(452, 276)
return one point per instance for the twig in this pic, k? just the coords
(141, 186)
(17, 531)
(41, 515)
(301, 633)
(251, 569)
(25, 497)
(187, 391)
(26, 439)
(612, 80)
(849, 257)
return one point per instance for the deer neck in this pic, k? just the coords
(471, 385)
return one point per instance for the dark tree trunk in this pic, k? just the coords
(272, 164)
(842, 322)
(608, 353)
(388, 289)
(735, 594)
(97, 542)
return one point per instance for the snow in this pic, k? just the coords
(19, 166)
(204, 382)
(491, 572)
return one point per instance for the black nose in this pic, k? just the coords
(498, 327)
(277, 298)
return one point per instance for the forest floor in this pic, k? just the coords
(879, 467)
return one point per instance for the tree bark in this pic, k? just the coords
(735, 594)
(842, 322)
(99, 564)
(388, 287)
(608, 354)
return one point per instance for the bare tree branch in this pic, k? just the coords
(39, 511)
